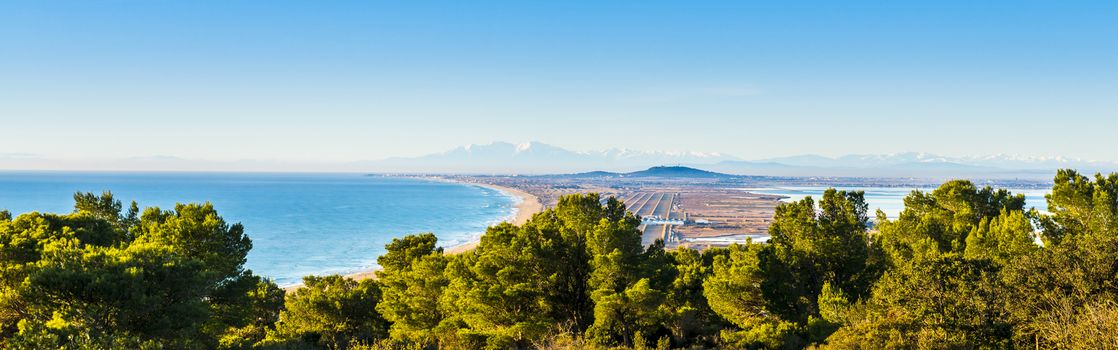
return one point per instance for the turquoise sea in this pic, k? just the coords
(300, 224)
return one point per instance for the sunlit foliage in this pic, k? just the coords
(961, 267)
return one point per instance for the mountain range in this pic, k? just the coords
(540, 158)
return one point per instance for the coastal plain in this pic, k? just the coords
(684, 207)
(681, 213)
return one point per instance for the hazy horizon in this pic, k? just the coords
(300, 83)
(619, 174)
(539, 158)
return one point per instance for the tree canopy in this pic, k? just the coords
(101, 278)
(960, 267)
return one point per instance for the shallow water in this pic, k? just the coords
(300, 224)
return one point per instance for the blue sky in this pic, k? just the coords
(351, 80)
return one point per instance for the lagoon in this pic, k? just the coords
(889, 199)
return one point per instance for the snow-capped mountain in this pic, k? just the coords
(992, 161)
(913, 164)
(540, 158)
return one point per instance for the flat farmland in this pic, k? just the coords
(651, 204)
(679, 212)
(726, 212)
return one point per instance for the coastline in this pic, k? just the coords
(527, 206)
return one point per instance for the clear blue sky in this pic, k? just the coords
(349, 80)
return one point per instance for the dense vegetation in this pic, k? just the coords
(961, 267)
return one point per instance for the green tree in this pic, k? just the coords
(402, 252)
(623, 274)
(810, 247)
(1079, 206)
(503, 293)
(1051, 286)
(939, 222)
(835, 310)
(576, 217)
(947, 302)
(1001, 239)
(523, 282)
(688, 314)
(250, 315)
(103, 207)
(734, 292)
(334, 312)
(413, 280)
(1067, 288)
(83, 279)
(944, 285)
(772, 291)
(196, 232)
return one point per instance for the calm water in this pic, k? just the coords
(889, 199)
(300, 224)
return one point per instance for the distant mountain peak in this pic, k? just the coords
(534, 157)
(663, 171)
(524, 146)
(538, 157)
(676, 171)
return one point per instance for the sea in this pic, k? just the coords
(889, 200)
(300, 224)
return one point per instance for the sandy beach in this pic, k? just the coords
(529, 205)
(525, 208)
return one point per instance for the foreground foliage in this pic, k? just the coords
(100, 278)
(960, 267)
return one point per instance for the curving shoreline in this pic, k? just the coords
(529, 205)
